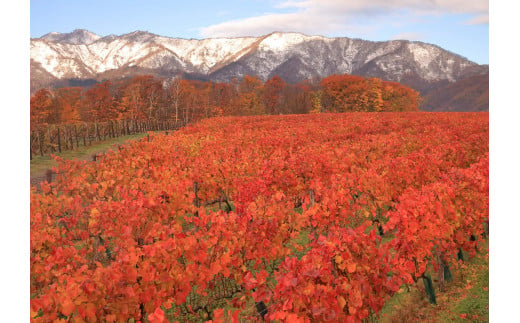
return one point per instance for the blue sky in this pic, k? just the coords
(460, 26)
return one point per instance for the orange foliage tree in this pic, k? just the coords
(297, 98)
(140, 97)
(67, 101)
(98, 103)
(145, 97)
(41, 105)
(347, 93)
(249, 96)
(398, 97)
(273, 89)
(224, 96)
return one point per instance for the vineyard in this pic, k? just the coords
(48, 139)
(299, 218)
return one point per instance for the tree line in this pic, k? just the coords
(145, 97)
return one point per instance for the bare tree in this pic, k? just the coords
(175, 94)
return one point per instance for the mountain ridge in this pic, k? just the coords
(293, 56)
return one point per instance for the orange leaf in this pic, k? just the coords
(219, 314)
(157, 316)
(341, 302)
(67, 307)
(351, 267)
(234, 316)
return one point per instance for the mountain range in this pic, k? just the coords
(447, 81)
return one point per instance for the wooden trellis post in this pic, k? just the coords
(83, 132)
(76, 134)
(312, 198)
(48, 175)
(59, 140)
(30, 146)
(96, 129)
(50, 139)
(40, 143)
(70, 138)
(196, 201)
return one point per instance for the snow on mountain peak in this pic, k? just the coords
(76, 37)
(423, 53)
(279, 41)
(139, 36)
(82, 54)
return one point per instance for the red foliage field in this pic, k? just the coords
(297, 218)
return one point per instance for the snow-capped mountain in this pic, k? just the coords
(77, 37)
(293, 56)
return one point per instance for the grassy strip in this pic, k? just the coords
(470, 301)
(40, 164)
(465, 299)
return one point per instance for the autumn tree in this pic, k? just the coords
(140, 97)
(347, 93)
(145, 97)
(186, 99)
(375, 96)
(67, 101)
(398, 97)
(297, 98)
(41, 105)
(273, 89)
(98, 103)
(201, 106)
(316, 102)
(250, 93)
(224, 96)
(153, 90)
(343, 93)
(190, 100)
(173, 94)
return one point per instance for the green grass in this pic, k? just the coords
(40, 164)
(465, 299)
(472, 304)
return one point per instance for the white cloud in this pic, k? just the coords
(439, 6)
(329, 16)
(261, 25)
(291, 4)
(479, 20)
